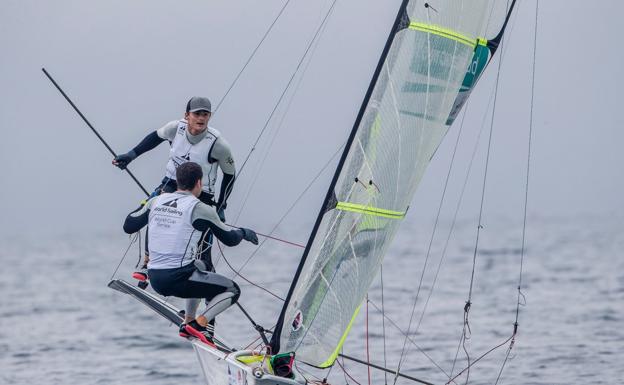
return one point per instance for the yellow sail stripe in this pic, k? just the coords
(330, 361)
(447, 33)
(369, 210)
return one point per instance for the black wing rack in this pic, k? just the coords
(153, 302)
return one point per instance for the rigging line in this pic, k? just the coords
(442, 200)
(485, 173)
(328, 373)
(503, 55)
(133, 239)
(528, 168)
(346, 373)
(277, 130)
(252, 55)
(278, 127)
(266, 124)
(489, 19)
(427, 257)
(274, 238)
(385, 370)
(307, 373)
(479, 359)
(459, 345)
(268, 351)
(526, 191)
(474, 152)
(500, 373)
(315, 41)
(383, 324)
(435, 227)
(243, 277)
(463, 344)
(480, 225)
(343, 372)
(367, 348)
(459, 202)
(421, 350)
(450, 232)
(292, 206)
(140, 251)
(258, 338)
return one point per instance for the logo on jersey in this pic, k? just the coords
(169, 209)
(173, 203)
(179, 160)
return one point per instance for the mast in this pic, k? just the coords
(401, 21)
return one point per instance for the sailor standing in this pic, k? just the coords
(176, 221)
(192, 140)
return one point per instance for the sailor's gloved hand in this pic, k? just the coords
(221, 213)
(249, 235)
(123, 160)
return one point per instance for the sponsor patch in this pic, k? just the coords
(297, 321)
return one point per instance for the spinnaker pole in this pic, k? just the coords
(91, 127)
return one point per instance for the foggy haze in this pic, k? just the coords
(131, 66)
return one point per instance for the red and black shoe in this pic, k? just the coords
(202, 333)
(141, 276)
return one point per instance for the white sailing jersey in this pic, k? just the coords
(183, 151)
(172, 239)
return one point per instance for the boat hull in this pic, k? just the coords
(222, 368)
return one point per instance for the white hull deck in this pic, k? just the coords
(221, 368)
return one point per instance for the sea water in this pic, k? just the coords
(61, 324)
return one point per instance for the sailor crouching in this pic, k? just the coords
(176, 221)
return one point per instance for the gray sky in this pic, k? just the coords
(131, 65)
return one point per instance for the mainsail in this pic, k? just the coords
(417, 90)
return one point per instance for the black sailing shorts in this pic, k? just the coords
(189, 282)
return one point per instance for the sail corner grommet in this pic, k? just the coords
(258, 372)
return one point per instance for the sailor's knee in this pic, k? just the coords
(235, 289)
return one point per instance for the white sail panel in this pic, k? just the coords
(402, 126)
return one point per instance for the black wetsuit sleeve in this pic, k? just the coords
(228, 237)
(148, 143)
(226, 188)
(136, 220)
(205, 217)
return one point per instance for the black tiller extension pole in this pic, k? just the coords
(259, 328)
(91, 127)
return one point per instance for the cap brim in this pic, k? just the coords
(200, 109)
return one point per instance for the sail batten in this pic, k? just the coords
(444, 32)
(370, 210)
(425, 74)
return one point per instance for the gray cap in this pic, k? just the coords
(198, 103)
